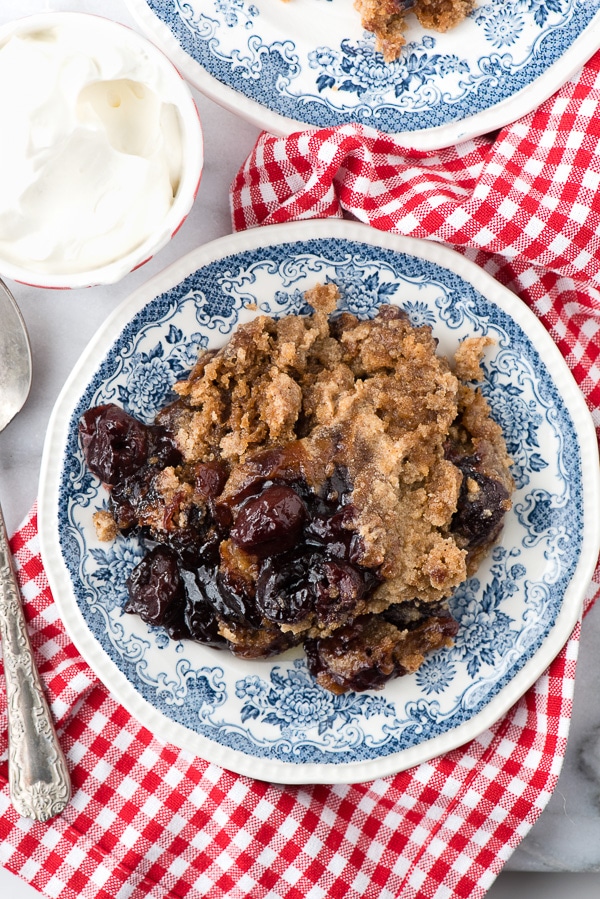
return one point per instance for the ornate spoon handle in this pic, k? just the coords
(39, 780)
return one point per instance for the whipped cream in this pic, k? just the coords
(90, 153)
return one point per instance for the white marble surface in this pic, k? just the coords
(567, 836)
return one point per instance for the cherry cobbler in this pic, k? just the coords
(320, 481)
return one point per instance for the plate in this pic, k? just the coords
(268, 719)
(309, 64)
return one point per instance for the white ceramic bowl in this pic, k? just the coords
(128, 60)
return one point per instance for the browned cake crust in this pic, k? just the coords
(320, 480)
(386, 20)
(442, 15)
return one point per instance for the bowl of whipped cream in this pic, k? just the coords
(102, 151)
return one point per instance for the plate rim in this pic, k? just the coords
(520, 104)
(125, 693)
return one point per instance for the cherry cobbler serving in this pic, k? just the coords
(319, 481)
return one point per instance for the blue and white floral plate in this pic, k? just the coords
(268, 719)
(309, 64)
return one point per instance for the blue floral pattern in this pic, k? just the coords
(114, 565)
(359, 69)
(503, 24)
(150, 371)
(274, 710)
(438, 82)
(486, 632)
(292, 702)
(520, 420)
(419, 314)
(236, 12)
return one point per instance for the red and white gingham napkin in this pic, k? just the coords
(149, 820)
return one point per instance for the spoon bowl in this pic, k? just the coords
(15, 358)
(38, 775)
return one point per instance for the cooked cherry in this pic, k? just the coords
(253, 476)
(276, 465)
(338, 586)
(297, 584)
(285, 588)
(129, 495)
(222, 516)
(200, 618)
(480, 512)
(338, 488)
(233, 599)
(330, 532)
(156, 590)
(226, 594)
(210, 478)
(208, 553)
(366, 671)
(188, 544)
(162, 450)
(409, 615)
(271, 522)
(115, 444)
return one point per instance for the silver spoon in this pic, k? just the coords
(39, 781)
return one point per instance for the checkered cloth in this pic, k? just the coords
(148, 819)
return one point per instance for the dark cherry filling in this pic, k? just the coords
(299, 543)
(366, 675)
(125, 454)
(481, 502)
(410, 615)
(201, 618)
(479, 514)
(270, 523)
(299, 583)
(371, 665)
(156, 590)
(209, 479)
(302, 540)
(116, 445)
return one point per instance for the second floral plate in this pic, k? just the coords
(308, 63)
(268, 718)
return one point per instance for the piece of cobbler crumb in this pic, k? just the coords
(468, 356)
(105, 526)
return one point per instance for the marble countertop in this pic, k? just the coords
(566, 838)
